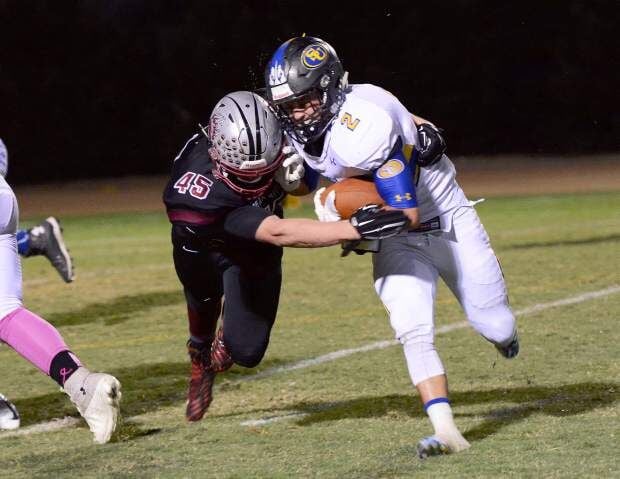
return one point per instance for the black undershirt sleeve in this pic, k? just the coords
(243, 222)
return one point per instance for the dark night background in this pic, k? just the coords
(115, 87)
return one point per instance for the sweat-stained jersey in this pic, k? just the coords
(360, 139)
(207, 214)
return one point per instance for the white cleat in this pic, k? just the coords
(9, 417)
(436, 446)
(97, 397)
(432, 446)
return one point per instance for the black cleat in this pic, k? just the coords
(46, 239)
(511, 350)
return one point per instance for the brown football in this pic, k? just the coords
(351, 194)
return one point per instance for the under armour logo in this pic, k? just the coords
(64, 372)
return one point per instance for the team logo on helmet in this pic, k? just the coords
(390, 169)
(276, 74)
(313, 56)
(276, 65)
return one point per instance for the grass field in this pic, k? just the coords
(552, 412)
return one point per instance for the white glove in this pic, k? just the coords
(291, 172)
(327, 211)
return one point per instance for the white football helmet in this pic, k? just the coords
(246, 143)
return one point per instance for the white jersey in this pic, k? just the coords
(361, 138)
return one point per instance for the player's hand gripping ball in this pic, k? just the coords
(345, 197)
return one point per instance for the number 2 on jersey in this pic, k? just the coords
(198, 185)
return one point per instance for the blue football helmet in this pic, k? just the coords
(305, 68)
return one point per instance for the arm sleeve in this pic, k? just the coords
(394, 179)
(243, 222)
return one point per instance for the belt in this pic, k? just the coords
(433, 224)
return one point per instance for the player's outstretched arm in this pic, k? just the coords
(304, 233)
(369, 222)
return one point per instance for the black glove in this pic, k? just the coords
(373, 223)
(432, 145)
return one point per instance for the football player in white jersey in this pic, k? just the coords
(343, 131)
(44, 239)
(95, 395)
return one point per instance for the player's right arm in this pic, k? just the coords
(255, 223)
(304, 233)
(368, 222)
(374, 143)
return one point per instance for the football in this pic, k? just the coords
(351, 194)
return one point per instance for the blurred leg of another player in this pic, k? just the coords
(45, 239)
(95, 395)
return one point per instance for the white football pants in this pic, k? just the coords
(10, 265)
(406, 271)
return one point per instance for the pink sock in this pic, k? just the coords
(32, 337)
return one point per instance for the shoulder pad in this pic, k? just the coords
(363, 134)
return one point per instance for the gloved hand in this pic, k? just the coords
(432, 145)
(291, 172)
(374, 223)
(327, 211)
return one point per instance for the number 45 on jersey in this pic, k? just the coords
(197, 185)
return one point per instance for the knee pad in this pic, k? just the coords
(244, 351)
(246, 357)
(497, 323)
(422, 359)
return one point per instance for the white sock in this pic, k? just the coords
(440, 414)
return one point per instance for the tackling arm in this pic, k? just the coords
(368, 222)
(304, 233)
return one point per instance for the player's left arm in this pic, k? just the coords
(418, 120)
(394, 181)
(432, 143)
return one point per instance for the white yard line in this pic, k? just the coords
(325, 358)
(272, 419)
(53, 425)
(441, 330)
(384, 344)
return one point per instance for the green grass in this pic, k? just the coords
(552, 412)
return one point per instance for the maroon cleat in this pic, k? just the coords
(200, 392)
(220, 357)
(206, 363)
